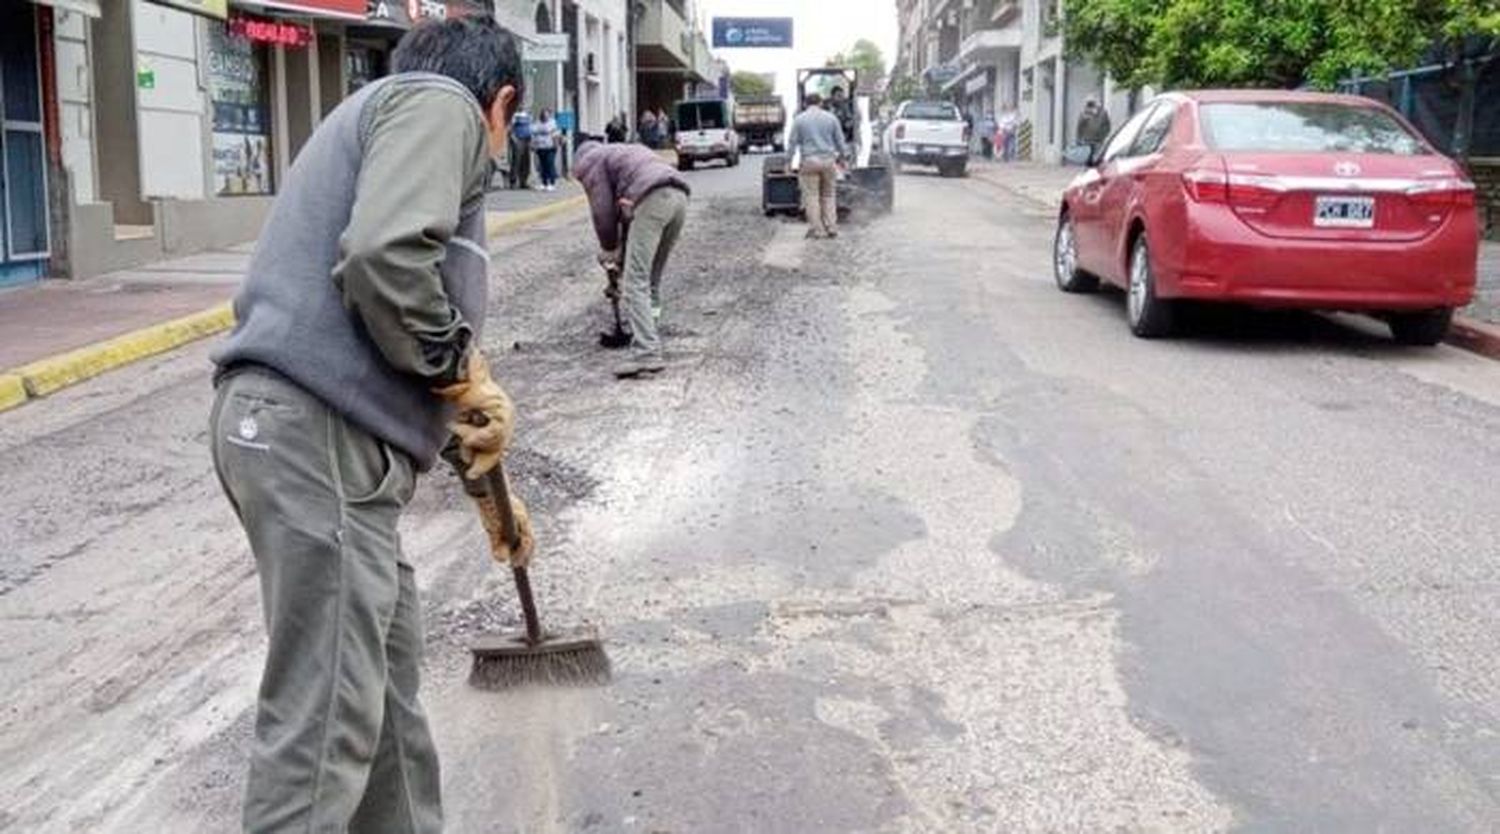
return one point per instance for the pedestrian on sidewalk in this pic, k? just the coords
(355, 354)
(1008, 125)
(616, 132)
(1093, 126)
(987, 129)
(646, 128)
(544, 141)
(819, 138)
(632, 189)
(520, 141)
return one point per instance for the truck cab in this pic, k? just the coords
(705, 131)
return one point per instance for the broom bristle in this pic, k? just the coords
(586, 665)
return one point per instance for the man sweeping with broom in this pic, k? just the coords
(355, 354)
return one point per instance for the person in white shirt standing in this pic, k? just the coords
(544, 135)
(819, 137)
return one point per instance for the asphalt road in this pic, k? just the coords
(904, 540)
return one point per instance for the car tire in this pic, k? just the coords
(684, 165)
(1149, 316)
(961, 169)
(1065, 269)
(1424, 329)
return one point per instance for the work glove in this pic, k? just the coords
(486, 419)
(489, 516)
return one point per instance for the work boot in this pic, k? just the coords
(640, 365)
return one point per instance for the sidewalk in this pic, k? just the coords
(1045, 183)
(58, 332)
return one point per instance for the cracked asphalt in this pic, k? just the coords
(905, 540)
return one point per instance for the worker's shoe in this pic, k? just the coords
(640, 365)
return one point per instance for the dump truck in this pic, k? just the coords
(760, 122)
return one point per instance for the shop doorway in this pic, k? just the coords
(25, 239)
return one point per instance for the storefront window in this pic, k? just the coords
(238, 90)
(363, 64)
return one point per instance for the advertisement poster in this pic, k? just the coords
(242, 127)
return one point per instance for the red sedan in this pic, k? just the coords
(1275, 199)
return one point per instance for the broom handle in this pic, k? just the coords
(500, 494)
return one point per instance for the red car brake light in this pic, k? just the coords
(1443, 193)
(1254, 193)
(1205, 185)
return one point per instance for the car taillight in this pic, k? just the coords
(967, 130)
(900, 131)
(1254, 193)
(1206, 185)
(1443, 193)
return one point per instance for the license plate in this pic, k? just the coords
(931, 149)
(1344, 212)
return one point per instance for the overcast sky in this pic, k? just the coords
(819, 29)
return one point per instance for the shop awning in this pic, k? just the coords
(87, 8)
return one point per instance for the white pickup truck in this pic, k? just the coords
(929, 133)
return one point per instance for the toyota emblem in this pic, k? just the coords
(1346, 169)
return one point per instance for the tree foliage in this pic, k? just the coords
(1280, 43)
(749, 84)
(864, 56)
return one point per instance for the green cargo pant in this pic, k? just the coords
(654, 227)
(341, 742)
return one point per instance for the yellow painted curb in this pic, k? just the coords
(497, 222)
(12, 391)
(47, 375)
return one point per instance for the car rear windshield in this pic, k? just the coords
(701, 115)
(1305, 126)
(935, 111)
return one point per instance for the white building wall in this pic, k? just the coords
(171, 112)
(75, 94)
(602, 32)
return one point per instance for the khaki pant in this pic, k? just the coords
(819, 182)
(341, 742)
(655, 226)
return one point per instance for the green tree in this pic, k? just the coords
(749, 84)
(1280, 43)
(864, 56)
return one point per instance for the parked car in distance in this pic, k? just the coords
(1273, 198)
(760, 121)
(704, 132)
(929, 133)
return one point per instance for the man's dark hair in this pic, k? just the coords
(838, 91)
(812, 99)
(474, 51)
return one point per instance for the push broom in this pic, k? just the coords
(504, 661)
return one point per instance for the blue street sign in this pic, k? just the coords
(565, 120)
(759, 32)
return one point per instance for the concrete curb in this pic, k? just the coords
(497, 222)
(54, 373)
(1475, 336)
(43, 377)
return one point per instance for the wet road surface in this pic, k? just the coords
(904, 540)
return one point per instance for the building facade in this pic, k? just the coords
(672, 57)
(992, 57)
(136, 130)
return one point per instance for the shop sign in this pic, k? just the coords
(409, 12)
(753, 32)
(347, 9)
(217, 9)
(264, 30)
(548, 49)
(977, 83)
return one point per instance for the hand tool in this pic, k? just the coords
(620, 337)
(504, 661)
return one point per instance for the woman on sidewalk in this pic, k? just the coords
(544, 141)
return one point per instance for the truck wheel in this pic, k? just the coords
(776, 147)
(684, 164)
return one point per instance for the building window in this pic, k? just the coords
(238, 91)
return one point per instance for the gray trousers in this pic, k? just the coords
(654, 229)
(341, 742)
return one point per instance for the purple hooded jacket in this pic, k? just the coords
(611, 173)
